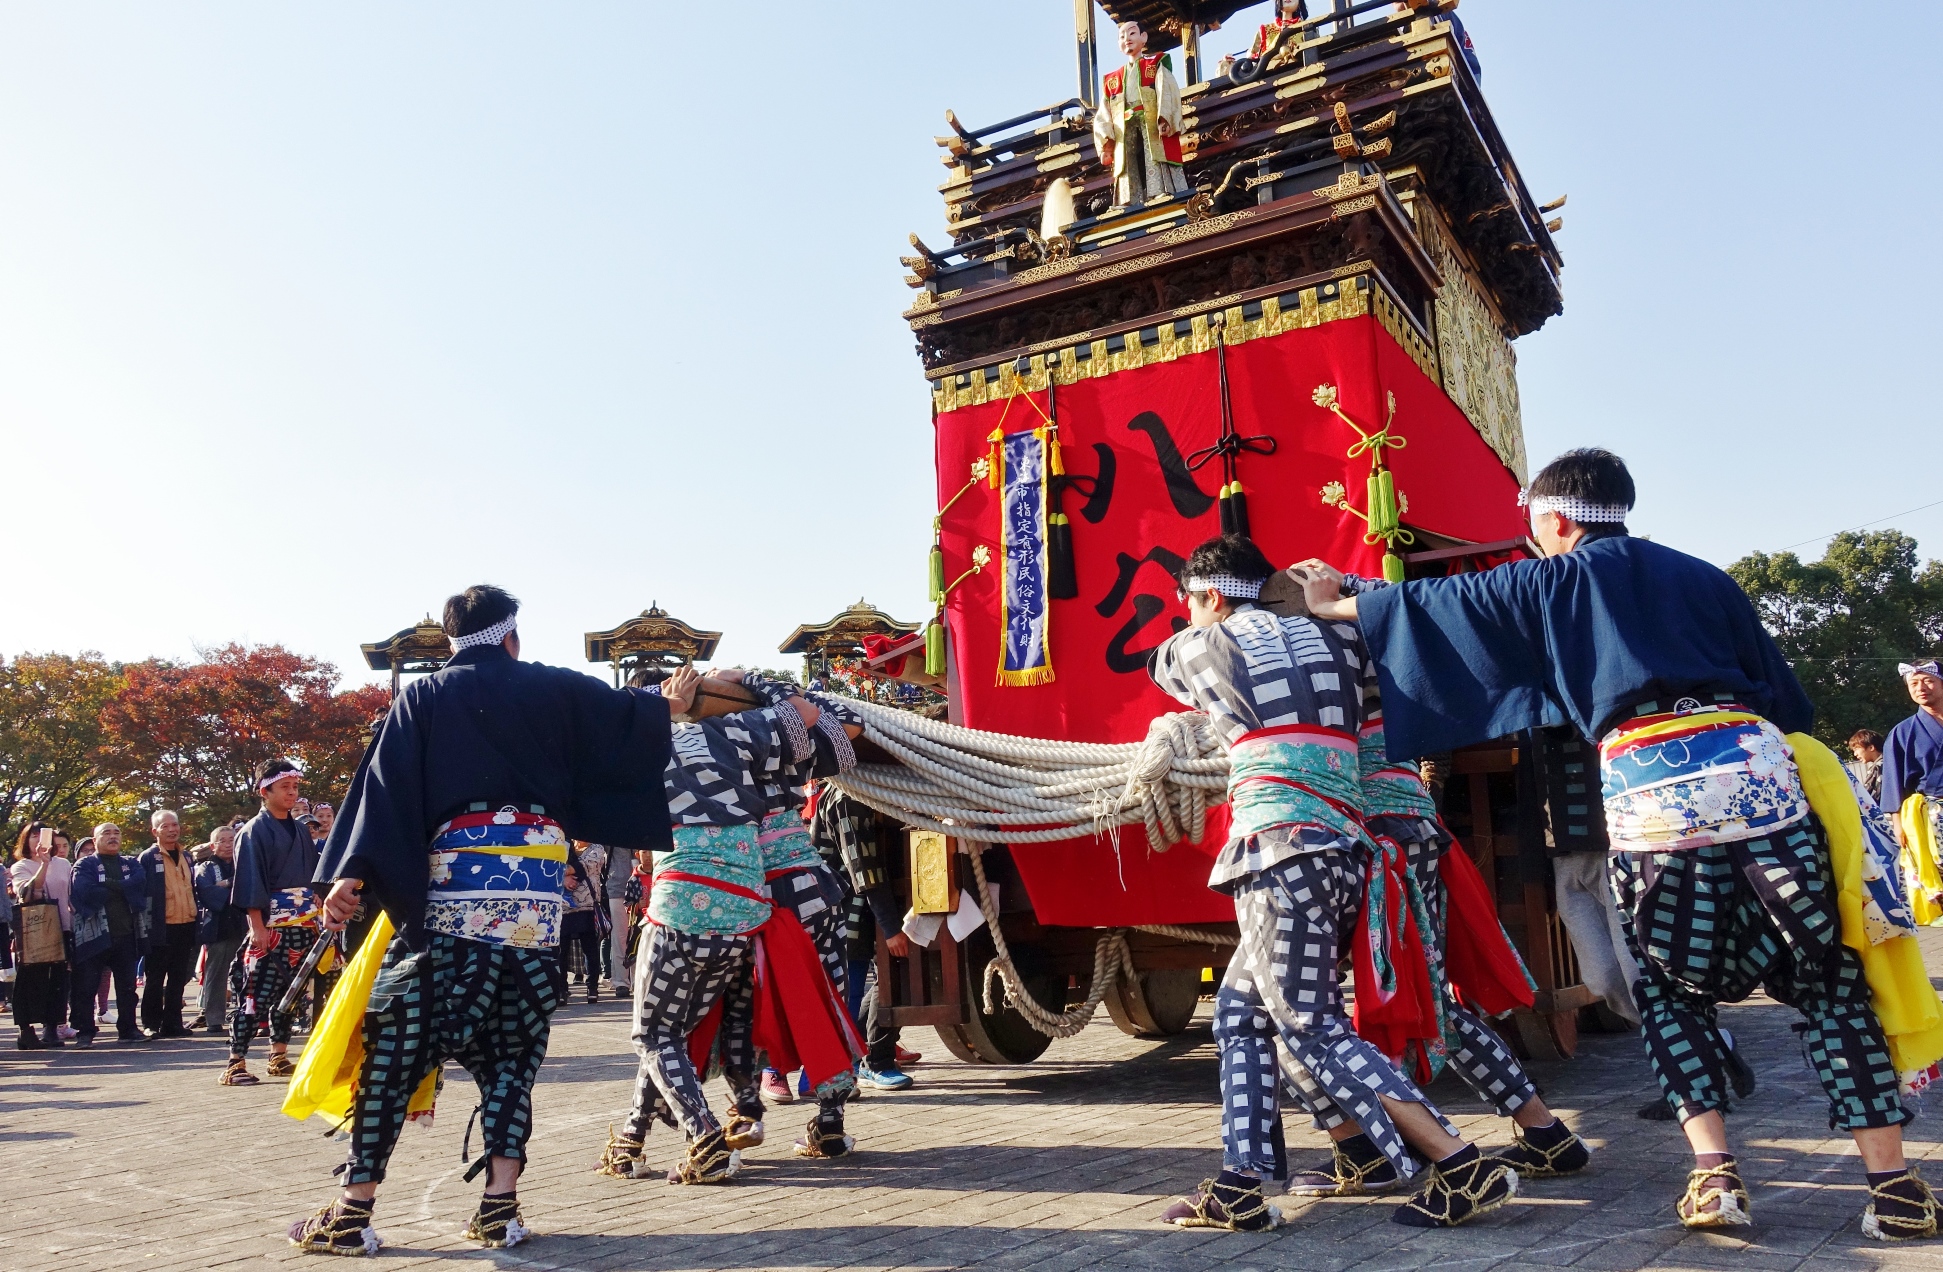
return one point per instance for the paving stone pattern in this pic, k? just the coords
(133, 1157)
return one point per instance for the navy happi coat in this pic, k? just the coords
(1581, 638)
(488, 728)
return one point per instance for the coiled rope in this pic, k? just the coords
(984, 788)
(989, 787)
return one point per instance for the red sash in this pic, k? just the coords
(1484, 970)
(799, 1019)
(1391, 1022)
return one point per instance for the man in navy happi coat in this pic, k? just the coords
(1721, 871)
(456, 824)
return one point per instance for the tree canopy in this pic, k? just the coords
(81, 738)
(1846, 620)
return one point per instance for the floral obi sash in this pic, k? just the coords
(1687, 779)
(786, 844)
(1390, 790)
(711, 882)
(295, 907)
(1295, 775)
(496, 878)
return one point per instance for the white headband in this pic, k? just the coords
(487, 635)
(1228, 585)
(1579, 510)
(1930, 668)
(274, 778)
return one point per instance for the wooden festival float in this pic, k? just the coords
(652, 639)
(417, 650)
(1311, 342)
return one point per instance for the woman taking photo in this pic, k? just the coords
(43, 926)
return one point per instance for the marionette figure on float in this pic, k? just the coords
(1138, 125)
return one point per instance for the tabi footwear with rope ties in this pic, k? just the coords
(1464, 1186)
(281, 1065)
(238, 1074)
(1715, 1197)
(741, 1131)
(622, 1158)
(1355, 1167)
(710, 1160)
(824, 1137)
(343, 1227)
(1544, 1152)
(1901, 1207)
(1232, 1202)
(496, 1224)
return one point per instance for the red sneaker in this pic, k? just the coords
(905, 1058)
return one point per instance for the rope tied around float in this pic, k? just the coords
(989, 787)
(973, 786)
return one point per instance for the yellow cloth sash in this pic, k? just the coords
(1899, 985)
(327, 1074)
(1919, 854)
(544, 852)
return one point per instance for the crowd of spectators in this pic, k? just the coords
(95, 933)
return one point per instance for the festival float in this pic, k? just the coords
(1279, 300)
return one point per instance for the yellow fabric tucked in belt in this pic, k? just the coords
(327, 1074)
(543, 852)
(1899, 985)
(1919, 851)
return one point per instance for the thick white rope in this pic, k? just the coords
(1195, 935)
(981, 786)
(978, 787)
(1111, 961)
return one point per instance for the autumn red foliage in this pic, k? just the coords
(188, 735)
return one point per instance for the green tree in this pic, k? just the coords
(51, 739)
(1845, 621)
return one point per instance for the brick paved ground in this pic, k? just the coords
(135, 1158)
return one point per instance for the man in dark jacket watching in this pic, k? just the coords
(110, 900)
(173, 937)
(220, 926)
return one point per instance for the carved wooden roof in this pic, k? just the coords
(652, 636)
(845, 632)
(423, 646)
(1163, 20)
(1389, 93)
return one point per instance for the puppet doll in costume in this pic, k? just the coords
(1138, 126)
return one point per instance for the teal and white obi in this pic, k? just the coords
(1295, 775)
(1390, 790)
(496, 878)
(786, 844)
(711, 882)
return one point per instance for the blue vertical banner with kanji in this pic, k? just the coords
(1024, 657)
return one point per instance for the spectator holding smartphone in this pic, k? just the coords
(40, 876)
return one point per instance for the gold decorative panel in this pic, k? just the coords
(1480, 368)
(930, 872)
(1056, 360)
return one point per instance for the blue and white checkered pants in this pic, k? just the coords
(1283, 984)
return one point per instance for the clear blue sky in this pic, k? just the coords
(310, 314)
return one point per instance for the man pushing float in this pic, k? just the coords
(1289, 698)
(1738, 850)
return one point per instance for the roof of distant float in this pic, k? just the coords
(845, 631)
(651, 635)
(424, 644)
